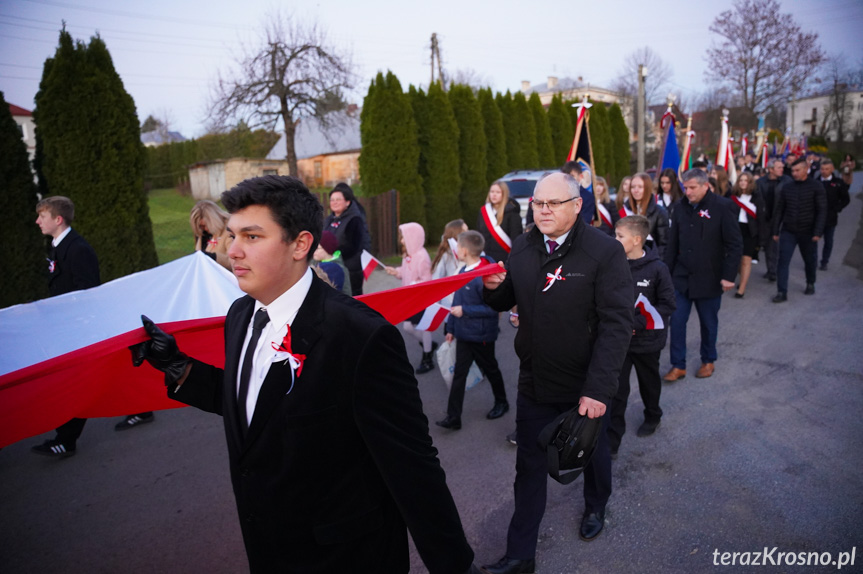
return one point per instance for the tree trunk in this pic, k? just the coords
(290, 151)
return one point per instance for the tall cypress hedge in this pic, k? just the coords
(25, 277)
(544, 143)
(495, 137)
(92, 153)
(512, 134)
(561, 129)
(620, 144)
(600, 137)
(439, 166)
(391, 152)
(473, 149)
(527, 132)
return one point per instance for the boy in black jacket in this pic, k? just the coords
(473, 325)
(654, 305)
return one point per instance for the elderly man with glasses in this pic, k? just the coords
(575, 298)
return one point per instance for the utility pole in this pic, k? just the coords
(642, 123)
(433, 46)
(435, 54)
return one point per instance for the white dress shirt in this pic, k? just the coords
(282, 312)
(56, 241)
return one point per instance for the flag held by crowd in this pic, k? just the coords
(432, 317)
(369, 262)
(654, 319)
(669, 156)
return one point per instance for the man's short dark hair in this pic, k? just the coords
(473, 241)
(571, 166)
(291, 204)
(751, 154)
(826, 161)
(699, 164)
(636, 224)
(696, 174)
(799, 161)
(58, 205)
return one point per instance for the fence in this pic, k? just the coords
(382, 216)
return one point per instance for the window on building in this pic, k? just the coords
(319, 170)
(271, 172)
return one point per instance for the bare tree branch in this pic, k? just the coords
(291, 74)
(659, 75)
(761, 53)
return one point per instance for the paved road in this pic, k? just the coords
(765, 453)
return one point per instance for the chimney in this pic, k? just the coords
(552, 82)
(525, 85)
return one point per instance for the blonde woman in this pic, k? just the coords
(608, 214)
(750, 219)
(209, 224)
(499, 221)
(642, 201)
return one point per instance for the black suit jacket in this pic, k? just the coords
(704, 246)
(75, 266)
(332, 470)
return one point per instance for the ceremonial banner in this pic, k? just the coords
(669, 156)
(724, 145)
(67, 356)
(582, 152)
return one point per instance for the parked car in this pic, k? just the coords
(521, 184)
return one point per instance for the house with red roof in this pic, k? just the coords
(24, 119)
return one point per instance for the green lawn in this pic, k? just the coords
(169, 212)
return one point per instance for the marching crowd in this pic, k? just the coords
(592, 291)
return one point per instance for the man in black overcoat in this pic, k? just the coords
(330, 457)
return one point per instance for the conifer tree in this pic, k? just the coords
(390, 156)
(438, 166)
(492, 120)
(561, 129)
(544, 144)
(600, 138)
(526, 132)
(514, 155)
(25, 277)
(92, 153)
(473, 149)
(620, 144)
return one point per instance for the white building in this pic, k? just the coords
(24, 119)
(812, 115)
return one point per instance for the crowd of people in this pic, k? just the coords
(592, 292)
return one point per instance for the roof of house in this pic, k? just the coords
(311, 140)
(158, 138)
(19, 111)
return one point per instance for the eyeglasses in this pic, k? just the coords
(553, 205)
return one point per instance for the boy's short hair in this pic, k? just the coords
(473, 241)
(291, 205)
(58, 205)
(638, 225)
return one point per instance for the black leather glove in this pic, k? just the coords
(161, 352)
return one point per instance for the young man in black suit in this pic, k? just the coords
(72, 266)
(328, 446)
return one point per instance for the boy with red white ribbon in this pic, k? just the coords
(654, 305)
(473, 325)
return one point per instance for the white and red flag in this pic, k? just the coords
(724, 147)
(654, 319)
(744, 145)
(369, 262)
(432, 317)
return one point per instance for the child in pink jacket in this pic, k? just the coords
(415, 268)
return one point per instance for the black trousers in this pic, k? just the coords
(466, 353)
(531, 474)
(69, 432)
(649, 385)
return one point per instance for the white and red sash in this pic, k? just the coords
(625, 211)
(496, 230)
(604, 215)
(747, 208)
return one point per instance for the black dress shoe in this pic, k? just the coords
(498, 410)
(770, 277)
(810, 289)
(507, 565)
(591, 525)
(449, 422)
(780, 297)
(647, 428)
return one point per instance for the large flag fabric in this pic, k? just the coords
(68, 356)
(582, 152)
(669, 156)
(686, 160)
(732, 165)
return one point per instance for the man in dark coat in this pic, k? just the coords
(799, 217)
(837, 199)
(72, 266)
(768, 187)
(703, 254)
(328, 446)
(575, 299)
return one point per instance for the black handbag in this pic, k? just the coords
(569, 440)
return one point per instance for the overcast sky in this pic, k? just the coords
(168, 51)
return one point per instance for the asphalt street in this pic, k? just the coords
(764, 454)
